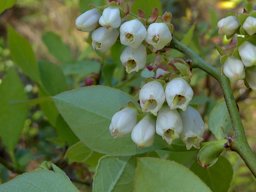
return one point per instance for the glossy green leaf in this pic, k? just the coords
(13, 110)
(162, 175)
(57, 47)
(147, 6)
(52, 78)
(114, 175)
(219, 120)
(6, 4)
(41, 180)
(22, 54)
(88, 112)
(78, 153)
(218, 177)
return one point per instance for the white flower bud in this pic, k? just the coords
(143, 133)
(247, 52)
(193, 128)
(228, 25)
(132, 33)
(168, 124)
(152, 97)
(250, 25)
(160, 72)
(88, 21)
(158, 35)
(251, 77)
(234, 69)
(123, 122)
(110, 18)
(134, 59)
(178, 94)
(103, 39)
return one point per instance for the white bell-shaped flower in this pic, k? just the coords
(247, 52)
(250, 25)
(110, 18)
(132, 33)
(228, 25)
(168, 124)
(234, 69)
(152, 97)
(178, 94)
(193, 128)
(134, 59)
(123, 122)
(103, 39)
(251, 77)
(143, 133)
(158, 35)
(88, 21)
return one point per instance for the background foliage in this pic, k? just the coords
(42, 55)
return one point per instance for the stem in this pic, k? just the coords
(240, 143)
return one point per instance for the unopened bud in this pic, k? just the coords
(158, 35)
(103, 39)
(110, 18)
(88, 21)
(234, 69)
(143, 133)
(193, 128)
(208, 155)
(178, 94)
(123, 122)
(250, 25)
(228, 25)
(160, 72)
(152, 97)
(132, 33)
(134, 59)
(168, 124)
(247, 52)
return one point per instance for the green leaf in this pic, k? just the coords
(64, 133)
(218, 177)
(114, 175)
(40, 181)
(13, 111)
(52, 78)
(88, 112)
(57, 47)
(147, 6)
(78, 153)
(22, 54)
(219, 120)
(6, 4)
(162, 175)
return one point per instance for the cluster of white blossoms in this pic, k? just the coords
(105, 29)
(241, 64)
(166, 113)
(164, 103)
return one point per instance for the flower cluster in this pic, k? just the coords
(167, 113)
(107, 26)
(241, 62)
(164, 100)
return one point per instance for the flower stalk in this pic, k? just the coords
(240, 143)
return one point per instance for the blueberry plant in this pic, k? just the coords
(137, 123)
